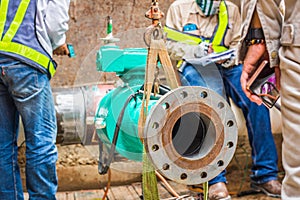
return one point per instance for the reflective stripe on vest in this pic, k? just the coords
(7, 45)
(179, 36)
(219, 33)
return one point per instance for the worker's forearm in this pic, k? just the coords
(254, 53)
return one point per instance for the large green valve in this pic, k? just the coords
(129, 64)
(190, 133)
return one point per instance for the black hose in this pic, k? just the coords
(101, 168)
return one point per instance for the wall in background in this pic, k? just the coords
(88, 25)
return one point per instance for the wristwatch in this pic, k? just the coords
(255, 33)
(255, 36)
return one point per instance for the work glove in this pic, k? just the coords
(229, 62)
(201, 50)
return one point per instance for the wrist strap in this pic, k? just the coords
(255, 33)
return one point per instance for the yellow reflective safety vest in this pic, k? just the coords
(217, 40)
(18, 35)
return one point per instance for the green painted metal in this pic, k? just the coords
(111, 58)
(129, 64)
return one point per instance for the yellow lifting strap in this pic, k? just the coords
(157, 51)
(6, 43)
(190, 39)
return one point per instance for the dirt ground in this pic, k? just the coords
(77, 170)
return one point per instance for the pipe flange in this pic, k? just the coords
(191, 135)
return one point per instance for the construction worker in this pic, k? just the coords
(30, 31)
(281, 45)
(196, 28)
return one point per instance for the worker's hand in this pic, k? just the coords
(61, 50)
(254, 53)
(246, 74)
(202, 50)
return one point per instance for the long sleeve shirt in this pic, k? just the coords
(183, 12)
(52, 23)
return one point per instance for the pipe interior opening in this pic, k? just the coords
(193, 135)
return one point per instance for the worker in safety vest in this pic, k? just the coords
(281, 44)
(30, 32)
(196, 28)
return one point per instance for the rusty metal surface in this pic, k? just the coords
(219, 143)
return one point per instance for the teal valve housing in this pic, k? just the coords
(110, 58)
(190, 133)
(129, 65)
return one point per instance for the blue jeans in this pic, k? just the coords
(26, 92)
(264, 153)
